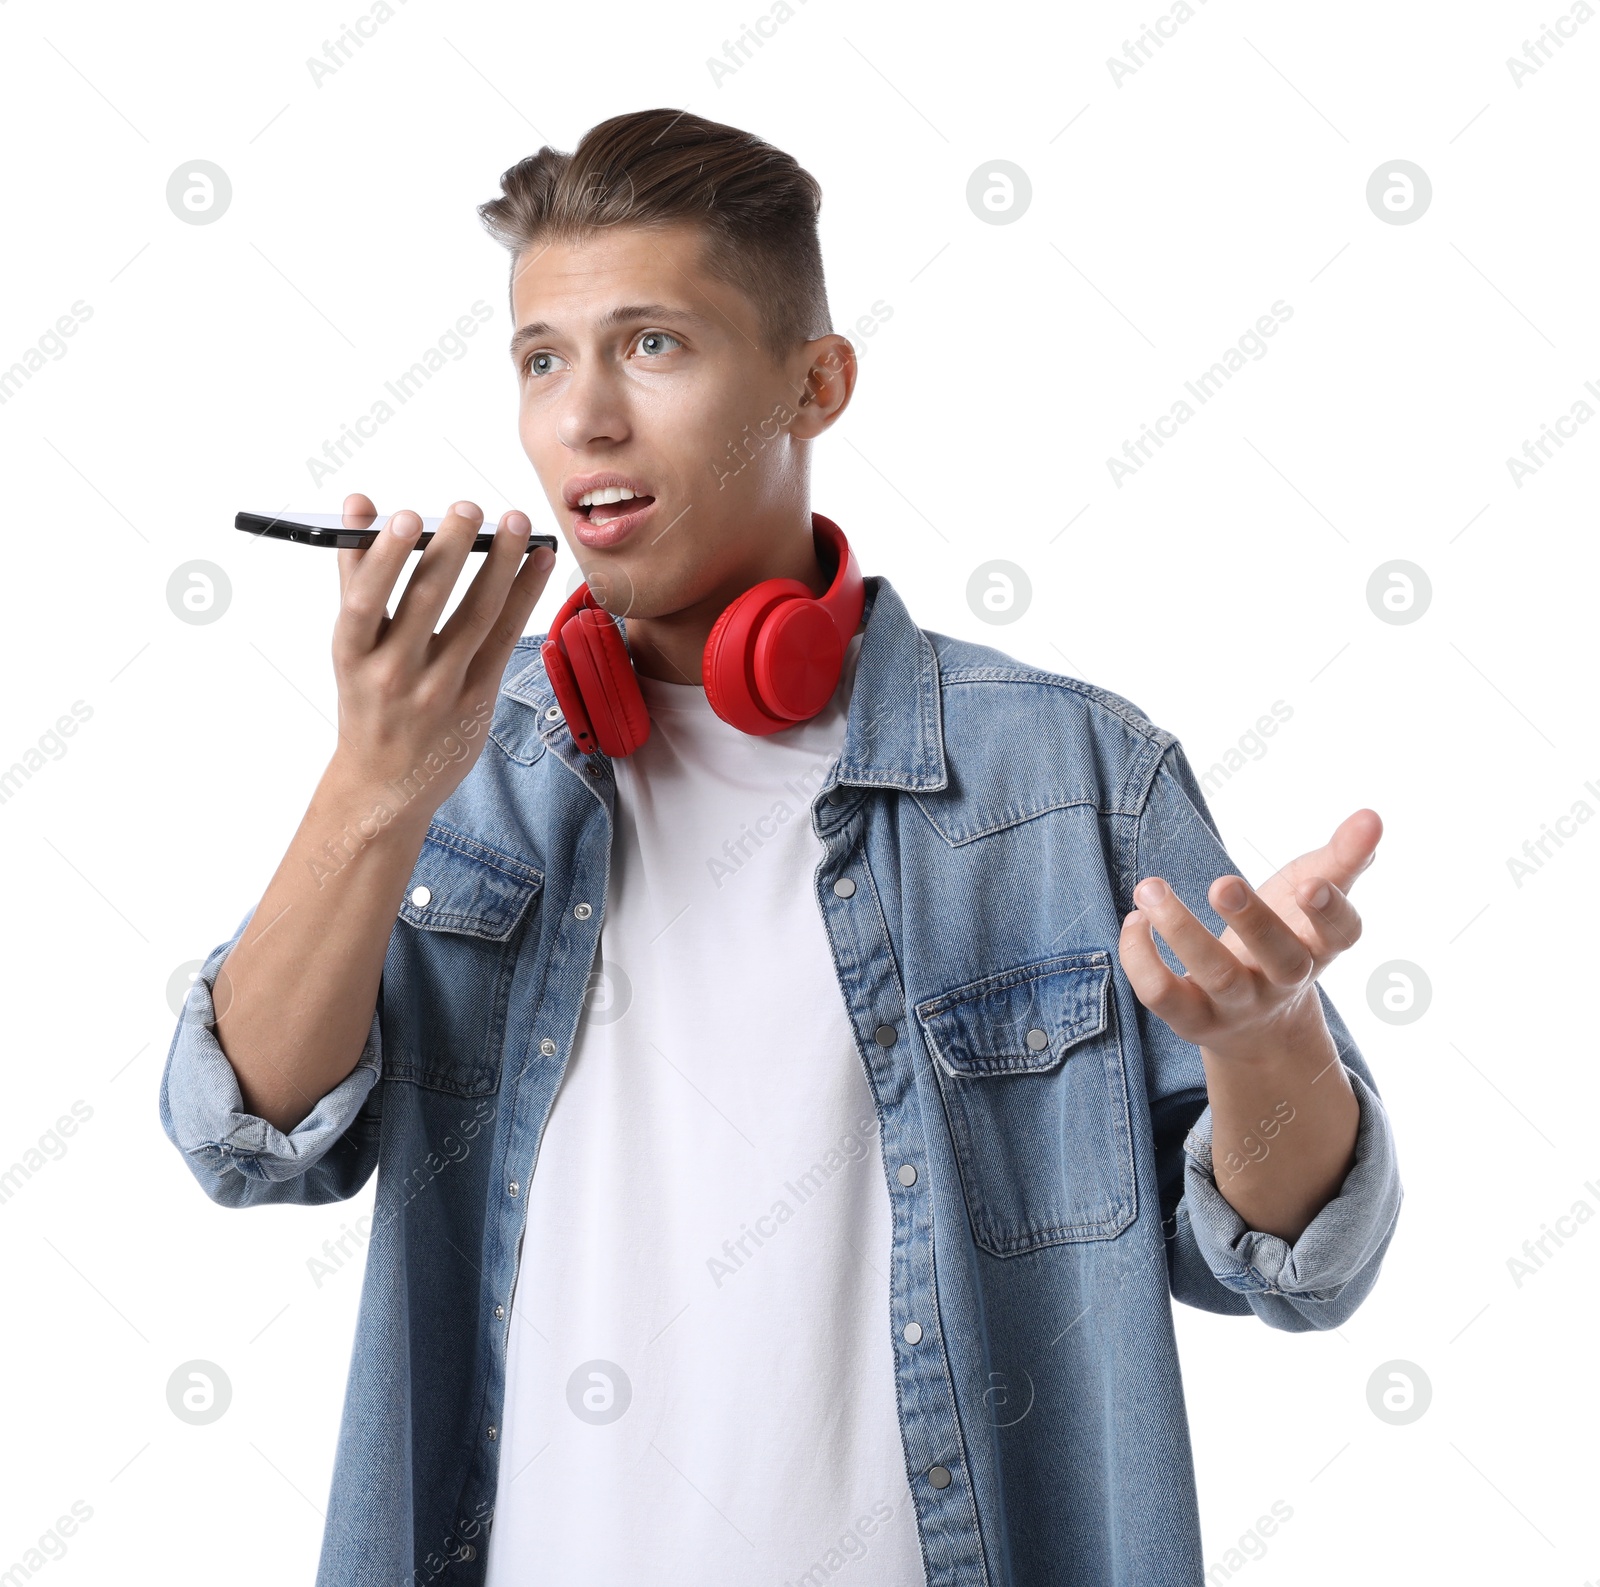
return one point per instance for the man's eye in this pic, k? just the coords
(537, 363)
(651, 342)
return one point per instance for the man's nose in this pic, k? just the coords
(592, 411)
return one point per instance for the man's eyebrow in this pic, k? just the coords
(621, 315)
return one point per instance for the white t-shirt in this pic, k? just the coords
(700, 1383)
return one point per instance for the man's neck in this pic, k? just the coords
(672, 647)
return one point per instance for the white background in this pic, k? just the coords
(1167, 214)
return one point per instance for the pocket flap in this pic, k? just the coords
(1021, 1021)
(465, 886)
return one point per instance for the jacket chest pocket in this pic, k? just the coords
(1030, 1065)
(447, 978)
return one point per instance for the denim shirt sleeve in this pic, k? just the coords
(241, 1160)
(1216, 1261)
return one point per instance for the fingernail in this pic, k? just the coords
(1150, 892)
(1232, 895)
(1321, 896)
(400, 524)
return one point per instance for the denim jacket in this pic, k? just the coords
(1046, 1140)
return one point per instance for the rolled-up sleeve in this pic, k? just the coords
(1320, 1279)
(241, 1160)
(1215, 1260)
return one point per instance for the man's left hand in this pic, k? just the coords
(1250, 994)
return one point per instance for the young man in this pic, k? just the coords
(789, 1133)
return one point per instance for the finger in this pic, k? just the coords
(478, 612)
(1174, 998)
(430, 586)
(359, 513)
(1210, 962)
(1278, 951)
(1343, 857)
(1335, 922)
(1354, 844)
(489, 664)
(358, 506)
(367, 581)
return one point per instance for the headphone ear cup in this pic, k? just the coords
(728, 664)
(568, 695)
(709, 672)
(796, 660)
(605, 676)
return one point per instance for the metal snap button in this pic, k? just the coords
(421, 896)
(583, 911)
(513, 1187)
(499, 1311)
(912, 1333)
(885, 1035)
(906, 1174)
(547, 1047)
(552, 713)
(939, 1476)
(1037, 1040)
(491, 1435)
(836, 796)
(844, 887)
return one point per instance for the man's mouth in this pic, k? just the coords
(601, 506)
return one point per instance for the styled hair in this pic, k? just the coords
(756, 208)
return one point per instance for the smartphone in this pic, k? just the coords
(338, 529)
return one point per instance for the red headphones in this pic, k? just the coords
(772, 658)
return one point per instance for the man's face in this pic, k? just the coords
(635, 366)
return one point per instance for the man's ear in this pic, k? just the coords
(827, 378)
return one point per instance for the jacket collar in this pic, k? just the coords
(893, 733)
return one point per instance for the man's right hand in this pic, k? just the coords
(406, 692)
